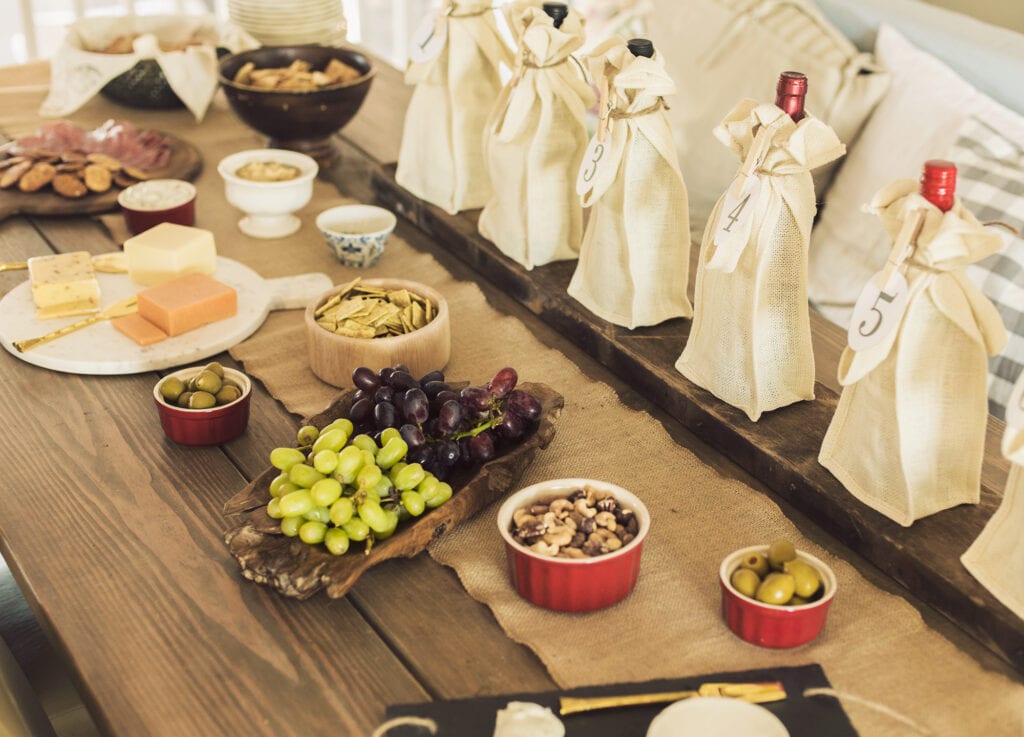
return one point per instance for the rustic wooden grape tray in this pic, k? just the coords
(298, 570)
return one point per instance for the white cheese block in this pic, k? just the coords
(64, 285)
(167, 251)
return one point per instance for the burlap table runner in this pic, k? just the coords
(875, 645)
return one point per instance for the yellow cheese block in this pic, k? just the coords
(167, 251)
(64, 285)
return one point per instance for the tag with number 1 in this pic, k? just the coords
(735, 221)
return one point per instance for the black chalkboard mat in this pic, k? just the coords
(816, 716)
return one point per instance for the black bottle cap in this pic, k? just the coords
(557, 11)
(641, 47)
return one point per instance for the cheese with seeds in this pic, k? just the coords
(64, 285)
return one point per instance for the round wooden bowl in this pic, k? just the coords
(333, 357)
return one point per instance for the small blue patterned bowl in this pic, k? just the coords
(356, 233)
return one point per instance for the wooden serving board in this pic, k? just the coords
(296, 569)
(100, 349)
(185, 163)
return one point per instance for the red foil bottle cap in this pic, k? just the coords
(938, 183)
(790, 93)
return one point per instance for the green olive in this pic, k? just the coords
(228, 394)
(207, 381)
(307, 435)
(201, 400)
(756, 562)
(745, 581)
(182, 400)
(171, 388)
(777, 588)
(215, 368)
(805, 575)
(231, 382)
(779, 553)
(798, 601)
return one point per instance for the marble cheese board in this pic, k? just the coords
(100, 349)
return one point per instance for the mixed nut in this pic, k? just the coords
(581, 524)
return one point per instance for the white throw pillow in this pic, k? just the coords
(927, 110)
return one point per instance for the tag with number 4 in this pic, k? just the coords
(428, 39)
(878, 311)
(735, 221)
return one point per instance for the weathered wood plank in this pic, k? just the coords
(781, 450)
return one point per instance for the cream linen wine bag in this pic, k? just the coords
(996, 558)
(908, 435)
(635, 259)
(457, 56)
(750, 344)
(534, 142)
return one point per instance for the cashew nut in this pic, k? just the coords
(605, 519)
(572, 553)
(543, 548)
(558, 536)
(582, 508)
(550, 520)
(570, 523)
(591, 496)
(538, 509)
(561, 507)
(521, 516)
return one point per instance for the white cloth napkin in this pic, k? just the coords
(78, 72)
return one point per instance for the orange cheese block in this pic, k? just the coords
(139, 329)
(186, 303)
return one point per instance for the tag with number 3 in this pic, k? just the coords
(735, 221)
(428, 39)
(878, 311)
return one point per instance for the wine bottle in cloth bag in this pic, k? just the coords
(996, 558)
(455, 55)
(534, 140)
(635, 259)
(908, 436)
(750, 343)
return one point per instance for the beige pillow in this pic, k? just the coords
(722, 51)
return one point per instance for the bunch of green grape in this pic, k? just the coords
(336, 489)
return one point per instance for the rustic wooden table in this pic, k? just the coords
(117, 543)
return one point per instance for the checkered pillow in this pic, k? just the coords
(990, 181)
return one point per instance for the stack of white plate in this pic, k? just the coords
(281, 23)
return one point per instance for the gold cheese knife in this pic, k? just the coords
(126, 306)
(754, 693)
(105, 263)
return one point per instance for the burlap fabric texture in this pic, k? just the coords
(908, 436)
(635, 259)
(750, 344)
(441, 159)
(997, 557)
(534, 142)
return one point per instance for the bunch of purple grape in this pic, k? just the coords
(443, 427)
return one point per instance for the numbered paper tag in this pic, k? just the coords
(428, 39)
(878, 311)
(735, 221)
(594, 169)
(1015, 407)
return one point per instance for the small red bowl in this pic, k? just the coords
(570, 584)
(770, 625)
(158, 201)
(205, 426)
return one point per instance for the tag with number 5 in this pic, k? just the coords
(428, 39)
(878, 311)
(1015, 407)
(735, 221)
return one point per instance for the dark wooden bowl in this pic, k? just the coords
(299, 121)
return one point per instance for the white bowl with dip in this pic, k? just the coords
(269, 202)
(356, 234)
(156, 201)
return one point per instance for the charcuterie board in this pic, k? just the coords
(185, 162)
(100, 349)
